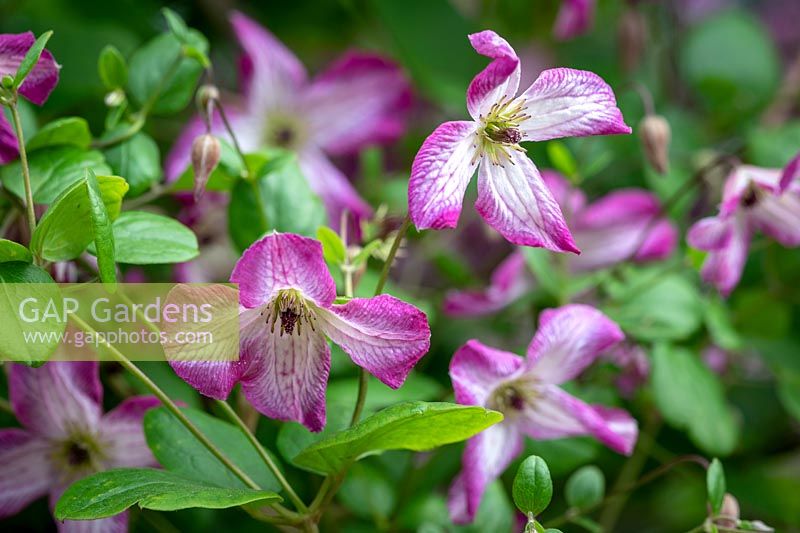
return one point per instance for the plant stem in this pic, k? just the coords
(387, 266)
(26, 174)
(231, 414)
(229, 129)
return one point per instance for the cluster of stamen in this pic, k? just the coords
(283, 132)
(292, 310)
(79, 453)
(751, 195)
(500, 131)
(511, 398)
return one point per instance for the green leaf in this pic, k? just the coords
(413, 426)
(112, 68)
(176, 25)
(720, 326)
(540, 261)
(102, 233)
(112, 189)
(585, 488)
(52, 169)
(773, 146)
(31, 58)
(144, 238)
(332, 245)
(14, 251)
(113, 491)
(691, 398)
(715, 485)
(139, 160)
(151, 76)
(532, 489)
(70, 131)
(368, 493)
(562, 159)
(180, 452)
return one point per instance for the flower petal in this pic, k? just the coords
(569, 339)
(791, 173)
(384, 335)
(113, 524)
(741, 178)
(779, 217)
(288, 373)
(476, 370)
(724, 264)
(40, 81)
(360, 99)
(56, 398)
(659, 243)
(25, 470)
(498, 80)
(556, 414)
(710, 233)
(570, 199)
(515, 201)
(122, 433)
(332, 186)
(440, 174)
(564, 102)
(510, 280)
(574, 18)
(9, 150)
(486, 456)
(283, 261)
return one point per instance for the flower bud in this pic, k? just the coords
(206, 96)
(114, 98)
(631, 38)
(729, 514)
(205, 157)
(655, 134)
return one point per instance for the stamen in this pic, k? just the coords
(292, 309)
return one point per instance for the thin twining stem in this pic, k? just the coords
(26, 173)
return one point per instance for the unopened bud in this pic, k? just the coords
(631, 38)
(114, 98)
(206, 96)
(729, 513)
(205, 158)
(655, 134)
(7, 81)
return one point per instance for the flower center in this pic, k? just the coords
(500, 131)
(284, 132)
(292, 310)
(751, 196)
(79, 453)
(511, 398)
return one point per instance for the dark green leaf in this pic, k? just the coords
(176, 25)
(368, 493)
(585, 488)
(144, 238)
(532, 489)
(71, 131)
(102, 232)
(138, 160)
(31, 58)
(715, 485)
(14, 251)
(112, 68)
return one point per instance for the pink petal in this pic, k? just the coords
(9, 150)
(271, 74)
(498, 80)
(779, 217)
(122, 434)
(574, 18)
(741, 178)
(476, 370)
(359, 100)
(41, 81)
(56, 398)
(710, 233)
(283, 261)
(724, 265)
(486, 456)
(332, 186)
(659, 243)
(384, 335)
(791, 173)
(564, 102)
(515, 201)
(440, 174)
(556, 414)
(569, 339)
(288, 373)
(569, 198)
(113, 524)
(509, 281)
(25, 470)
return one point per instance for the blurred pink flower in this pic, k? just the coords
(526, 390)
(512, 196)
(634, 367)
(574, 18)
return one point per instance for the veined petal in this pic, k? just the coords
(724, 265)
(509, 281)
(122, 433)
(384, 335)
(332, 186)
(574, 18)
(476, 370)
(40, 81)
(741, 178)
(569, 339)
(486, 456)
(283, 261)
(515, 201)
(710, 233)
(25, 470)
(440, 174)
(9, 150)
(564, 102)
(56, 398)
(555, 414)
(498, 80)
(288, 372)
(359, 100)
(779, 217)
(791, 173)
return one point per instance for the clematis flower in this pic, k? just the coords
(37, 86)
(66, 437)
(512, 196)
(287, 297)
(526, 390)
(753, 199)
(359, 100)
(623, 225)
(574, 18)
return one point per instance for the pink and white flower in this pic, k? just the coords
(287, 314)
(625, 225)
(37, 86)
(65, 436)
(512, 196)
(526, 390)
(574, 18)
(754, 199)
(359, 100)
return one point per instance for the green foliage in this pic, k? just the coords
(332, 246)
(715, 485)
(532, 489)
(69, 131)
(144, 238)
(31, 58)
(585, 488)
(368, 493)
(13, 251)
(139, 160)
(112, 69)
(562, 159)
